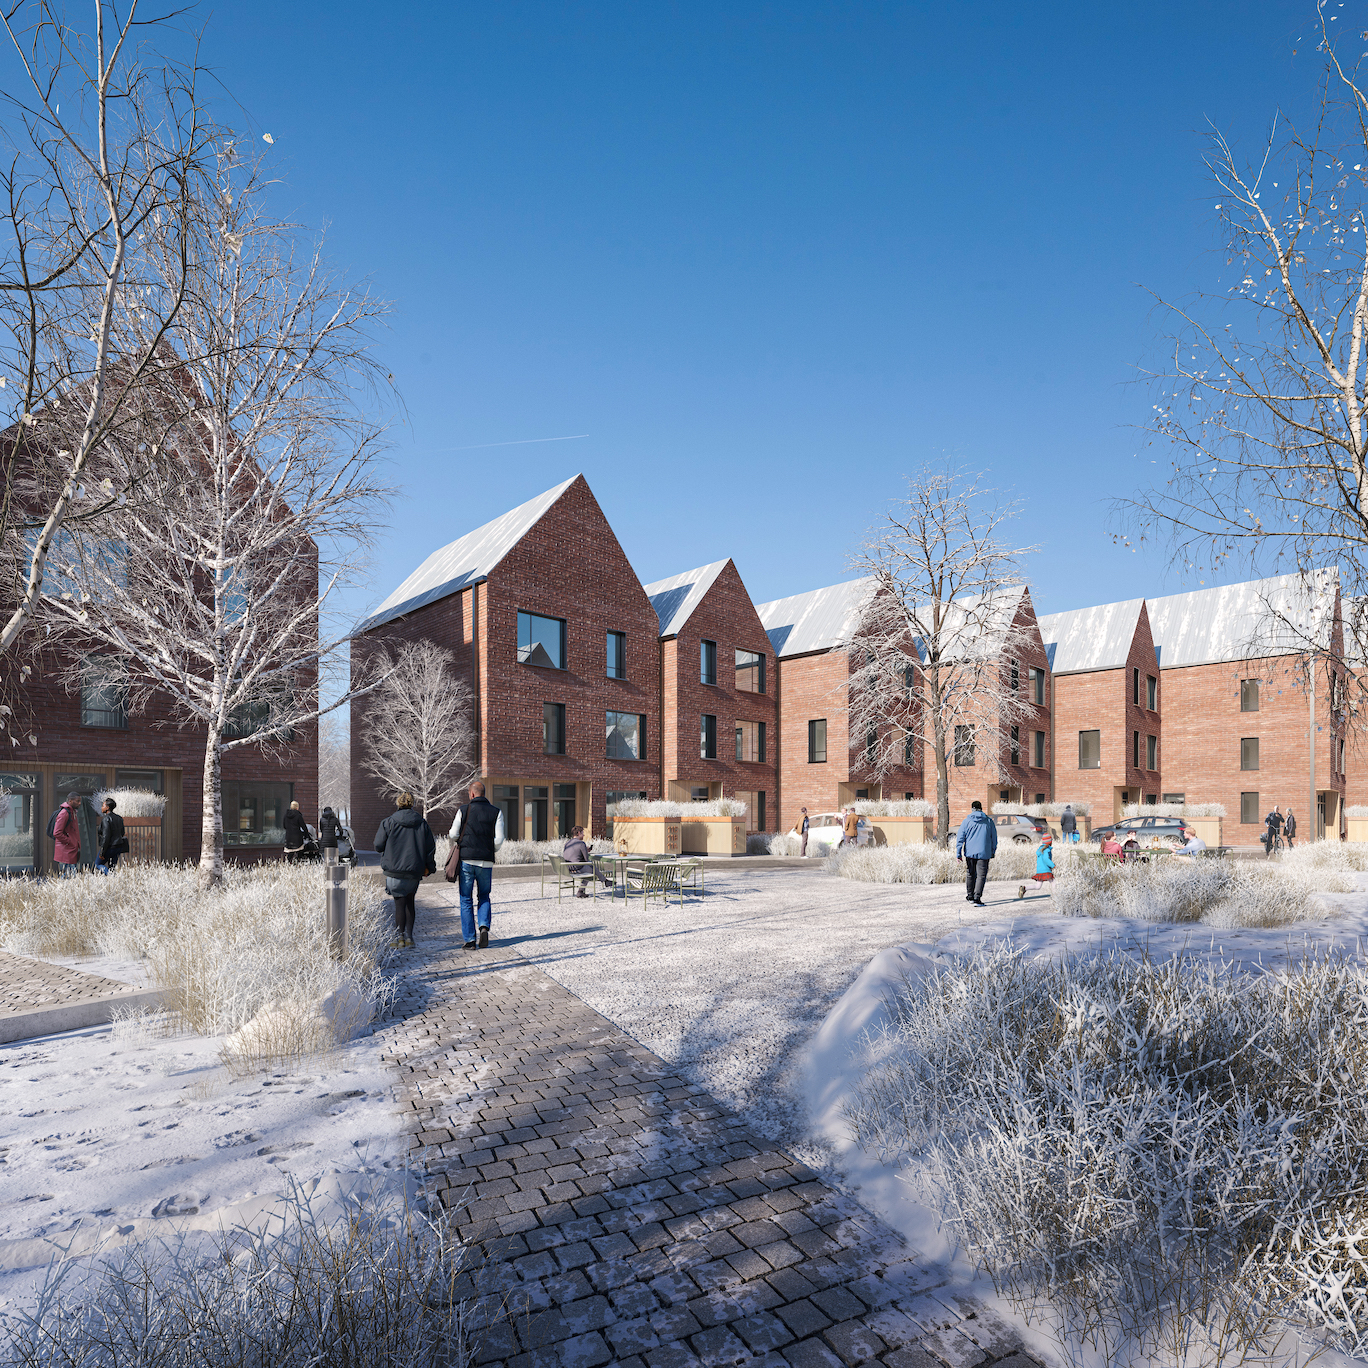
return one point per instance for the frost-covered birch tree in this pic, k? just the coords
(255, 465)
(334, 763)
(418, 733)
(103, 150)
(1261, 405)
(929, 650)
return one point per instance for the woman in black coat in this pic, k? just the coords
(408, 851)
(296, 834)
(111, 839)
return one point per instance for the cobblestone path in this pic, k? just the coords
(622, 1215)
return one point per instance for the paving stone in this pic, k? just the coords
(913, 1356)
(719, 1346)
(803, 1318)
(585, 1351)
(839, 1303)
(763, 1331)
(632, 1336)
(854, 1341)
(954, 1349)
(672, 1356)
(812, 1353)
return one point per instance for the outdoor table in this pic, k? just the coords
(620, 862)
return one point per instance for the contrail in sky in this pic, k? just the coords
(526, 441)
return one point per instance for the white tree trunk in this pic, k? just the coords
(211, 840)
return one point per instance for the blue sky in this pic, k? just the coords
(769, 257)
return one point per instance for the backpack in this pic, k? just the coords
(52, 825)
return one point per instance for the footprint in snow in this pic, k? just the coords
(180, 1204)
(175, 1159)
(237, 1137)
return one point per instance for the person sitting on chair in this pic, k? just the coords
(576, 854)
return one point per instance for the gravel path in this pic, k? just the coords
(731, 987)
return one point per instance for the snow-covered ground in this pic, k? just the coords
(113, 1134)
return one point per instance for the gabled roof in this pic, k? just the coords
(1267, 617)
(977, 626)
(466, 560)
(1096, 638)
(674, 599)
(816, 621)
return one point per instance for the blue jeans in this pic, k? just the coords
(473, 877)
(65, 871)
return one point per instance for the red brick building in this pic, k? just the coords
(718, 677)
(1107, 711)
(821, 767)
(1248, 725)
(560, 643)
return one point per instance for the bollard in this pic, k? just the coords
(335, 908)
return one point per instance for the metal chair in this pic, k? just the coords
(688, 869)
(657, 879)
(565, 877)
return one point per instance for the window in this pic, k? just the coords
(506, 800)
(817, 742)
(707, 662)
(871, 747)
(1037, 685)
(707, 737)
(247, 719)
(104, 692)
(1040, 798)
(1175, 797)
(1135, 687)
(16, 821)
(617, 655)
(964, 745)
(750, 742)
(1249, 695)
(755, 808)
(750, 672)
(614, 797)
(1016, 746)
(1341, 756)
(541, 641)
(910, 749)
(1135, 750)
(910, 678)
(1151, 693)
(1090, 749)
(562, 809)
(1151, 752)
(1249, 752)
(151, 780)
(254, 813)
(553, 728)
(1016, 676)
(1039, 760)
(1249, 809)
(626, 735)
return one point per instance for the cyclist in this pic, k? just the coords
(1273, 839)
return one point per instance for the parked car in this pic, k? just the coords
(1019, 829)
(824, 832)
(1170, 831)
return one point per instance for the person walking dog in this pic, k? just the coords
(113, 841)
(479, 831)
(976, 844)
(408, 851)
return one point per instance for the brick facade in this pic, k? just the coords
(726, 617)
(1106, 701)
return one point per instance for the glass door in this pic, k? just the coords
(562, 811)
(534, 812)
(18, 799)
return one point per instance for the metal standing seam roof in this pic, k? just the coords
(816, 621)
(1096, 638)
(675, 598)
(466, 560)
(1241, 621)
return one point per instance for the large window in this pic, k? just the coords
(755, 808)
(707, 737)
(18, 799)
(541, 641)
(1249, 752)
(1135, 687)
(1249, 809)
(617, 655)
(964, 745)
(910, 744)
(1090, 750)
(817, 742)
(553, 728)
(1016, 746)
(614, 797)
(750, 672)
(626, 735)
(1249, 695)
(507, 801)
(254, 813)
(1135, 750)
(1016, 676)
(1151, 693)
(104, 692)
(1175, 797)
(152, 780)
(1037, 685)
(1151, 752)
(750, 742)
(1039, 759)
(707, 662)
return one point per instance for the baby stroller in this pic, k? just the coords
(309, 851)
(346, 846)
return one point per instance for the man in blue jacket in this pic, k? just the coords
(976, 844)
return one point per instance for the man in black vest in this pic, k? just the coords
(479, 831)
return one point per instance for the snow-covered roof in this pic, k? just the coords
(466, 560)
(816, 621)
(1090, 638)
(1276, 616)
(977, 626)
(674, 599)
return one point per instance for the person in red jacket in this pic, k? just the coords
(67, 834)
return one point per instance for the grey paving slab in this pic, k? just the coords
(620, 1215)
(38, 998)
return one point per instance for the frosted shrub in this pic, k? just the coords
(223, 954)
(656, 807)
(1321, 857)
(1040, 809)
(1174, 810)
(1221, 893)
(927, 864)
(525, 852)
(1173, 1154)
(786, 843)
(889, 807)
(383, 1287)
(130, 802)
